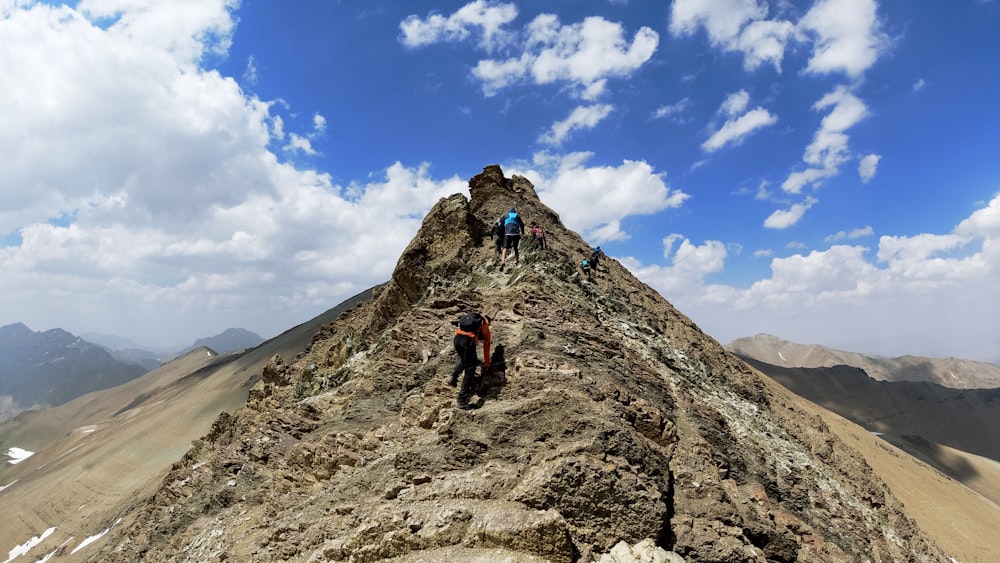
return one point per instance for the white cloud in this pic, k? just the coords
(687, 266)
(674, 111)
(582, 117)
(722, 19)
(784, 218)
(183, 29)
(919, 85)
(583, 55)
(764, 41)
(735, 129)
(251, 74)
(319, 125)
(593, 200)
(848, 36)
(155, 194)
(127, 113)
(829, 147)
(298, 143)
(852, 234)
(735, 103)
(867, 167)
(487, 17)
(983, 223)
(735, 25)
(933, 292)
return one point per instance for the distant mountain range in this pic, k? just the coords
(948, 372)
(41, 369)
(45, 369)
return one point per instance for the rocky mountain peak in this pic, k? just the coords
(610, 423)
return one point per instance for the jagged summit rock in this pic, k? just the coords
(616, 422)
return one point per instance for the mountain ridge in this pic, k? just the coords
(612, 419)
(949, 372)
(39, 369)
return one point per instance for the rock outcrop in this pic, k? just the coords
(612, 429)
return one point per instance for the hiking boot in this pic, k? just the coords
(464, 406)
(453, 380)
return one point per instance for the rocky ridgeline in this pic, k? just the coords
(617, 431)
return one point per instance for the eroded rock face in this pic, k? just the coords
(612, 428)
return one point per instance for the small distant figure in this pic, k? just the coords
(513, 227)
(585, 266)
(537, 235)
(497, 233)
(595, 257)
(472, 327)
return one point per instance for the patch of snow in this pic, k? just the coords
(54, 551)
(782, 357)
(20, 550)
(2, 487)
(92, 539)
(17, 455)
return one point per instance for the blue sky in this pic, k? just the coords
(823, 171)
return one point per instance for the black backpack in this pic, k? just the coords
(470, 322)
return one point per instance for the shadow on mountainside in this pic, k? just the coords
(926, 420)
(964, 419)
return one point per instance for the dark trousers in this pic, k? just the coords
(468, 361)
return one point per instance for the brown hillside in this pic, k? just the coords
(948, 372)
(97, 455)
(615, 420)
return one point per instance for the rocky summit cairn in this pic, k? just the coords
(612, 429)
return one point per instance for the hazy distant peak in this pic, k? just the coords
(948, 372)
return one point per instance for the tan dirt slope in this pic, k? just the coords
(96, 455)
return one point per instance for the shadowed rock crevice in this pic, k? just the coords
(613, 419)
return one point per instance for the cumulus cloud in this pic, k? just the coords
(852, 234)
(582, 117)
(830, 145)
(173, 139)
(675, 111)
(847, 36)
(686, 268)
(735, 129)
(851, 294)
(592, 200)
(983, 223)
(486, 17)
(867, 167)
(735, 25)
(784, 218)
(583, 55)
(156, 195)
